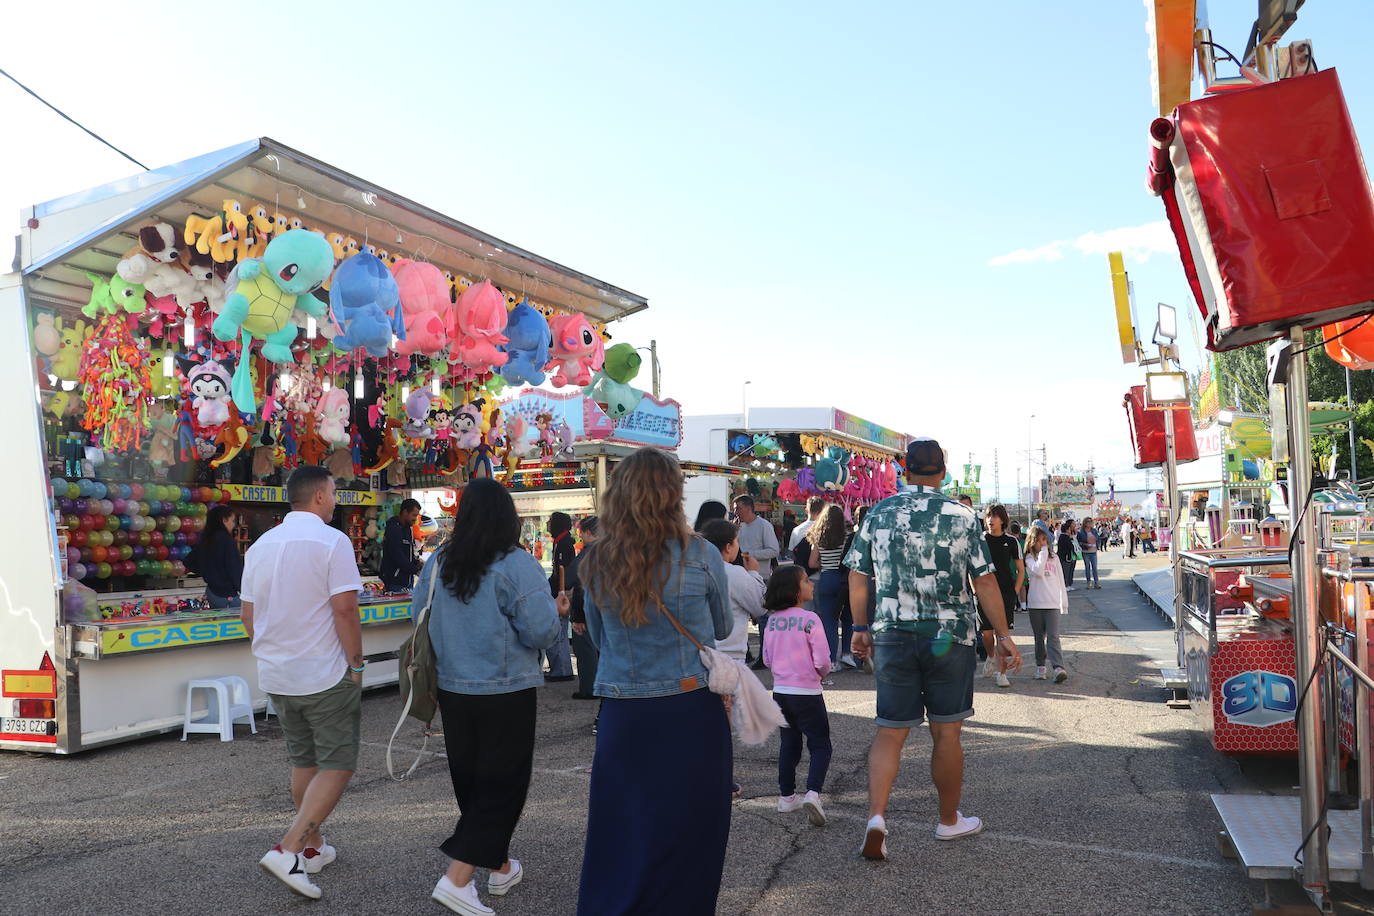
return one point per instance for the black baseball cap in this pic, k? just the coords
(925, 458)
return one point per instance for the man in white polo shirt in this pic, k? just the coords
(300, 608)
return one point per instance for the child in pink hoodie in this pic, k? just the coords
(797, 653)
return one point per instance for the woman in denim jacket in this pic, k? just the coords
(491, 617)
(659, 813)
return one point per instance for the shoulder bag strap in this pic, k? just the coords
(421, 619)
(680, 628)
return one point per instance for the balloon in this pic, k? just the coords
(66, 506)
(121, 537)
(193, 539)
(98, 554)
(73, 491)
(174, 523)
(87, 523)
(98, 490)
(102, 570)
(216, 494)
(137, 551)
(112, 523)
(73, 555)
(178, 568)
(136, 490)
(73, 522)
(59, 486)
(78, 571)
(82, 506)
(77, 538)
(144, 538)
(126, 552)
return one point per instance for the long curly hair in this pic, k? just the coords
(640, 515)
(828, 532)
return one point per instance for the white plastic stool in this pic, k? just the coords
(228, 702)
(269, 711)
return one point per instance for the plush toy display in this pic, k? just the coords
(222, 236)
(115, 378)
(365, 303)
(832, 471)
(577, 351)
(261, 296)
(109, 297)
(417, 414)
(467, 426)
(334, 416)
(209, 384)
(528, 349)
(475, 330)
(157, 246)
(426, 305)
(610, 387)
(47, 339)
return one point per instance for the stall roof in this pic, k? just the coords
(93, 229)
(827, 421)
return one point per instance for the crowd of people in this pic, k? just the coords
(913, 590)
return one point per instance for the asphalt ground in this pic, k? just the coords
(1095, 796)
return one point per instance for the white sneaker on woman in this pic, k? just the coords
(499, 885)
(460, 899)
(1040, 673)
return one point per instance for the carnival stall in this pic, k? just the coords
(781, 456)
(183, 339)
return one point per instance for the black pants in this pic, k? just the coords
(587, 657)
(806, 717)
(490, 745)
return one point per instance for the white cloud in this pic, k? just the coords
(1138, 243)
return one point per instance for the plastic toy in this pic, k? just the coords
(475, 330)
(261, 296)
(425, 301)
(365, 303)
(528, 349)
(577, 351)
(334, 416)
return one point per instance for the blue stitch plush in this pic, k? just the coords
(528, 348)
(365, 302)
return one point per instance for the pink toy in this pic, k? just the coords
(467, 427)
(475, 327)
(577, 352)
(334, 416)
(426, 304)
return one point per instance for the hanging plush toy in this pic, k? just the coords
(334, 416)
(832, 471)
(221, 235)
(209, 385)
(425, 301)
(115, 375)
(47, 339)
(528, 349)
(390, 449)
(162, 445)
(366, 305)
(231, 439)
(577, 351)
(262, 294)
(516, 430)
(312, 445)
(110, 297)
(475, 331)
(610, 387)
(417, 414)
(467, 426)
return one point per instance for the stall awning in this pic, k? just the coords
(92, 230)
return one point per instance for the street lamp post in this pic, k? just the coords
(744, 395)
(1030, 501)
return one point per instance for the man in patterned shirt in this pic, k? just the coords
(922, 550)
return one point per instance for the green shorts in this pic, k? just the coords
(322, 729)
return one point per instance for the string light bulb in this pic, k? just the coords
(405, 392)
(436, 386)
(357, 383)
(189, 332)
(167, 362)
(311, 327)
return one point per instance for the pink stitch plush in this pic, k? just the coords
(577, 351)
(426, 304)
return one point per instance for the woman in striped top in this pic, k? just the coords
(827, 538)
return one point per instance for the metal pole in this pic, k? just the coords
(1170, 500)
(1030, 500)
(653, 366)
(1306, 633)
(1366, 758)
(1350, 401)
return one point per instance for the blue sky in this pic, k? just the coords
(818, 199)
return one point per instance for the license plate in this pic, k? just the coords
(28, 726)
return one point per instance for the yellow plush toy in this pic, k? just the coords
(261, 226)
(336, 241)
(351, 247)
(222, 236)
(67, 363)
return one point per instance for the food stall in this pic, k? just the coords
(181, 340)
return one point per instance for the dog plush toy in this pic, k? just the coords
(157, 245)
(528, 349)
(365, 303)
(221, 236)
(475, 329)
(262, 292)
(426, 304)
(577, 351)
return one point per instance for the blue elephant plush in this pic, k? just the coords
(529, 345)
(365, 303)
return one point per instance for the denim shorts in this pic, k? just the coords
(922, 677)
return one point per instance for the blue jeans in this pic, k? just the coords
(829, 598)
(220, 602)
(806, 718)
(1090, 568)
(922, 676)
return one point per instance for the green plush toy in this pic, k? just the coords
(114, 295)
(610, 386)
(622, 363)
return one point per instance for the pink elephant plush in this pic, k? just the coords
(475, 328)
(577, 352)
(426, 304)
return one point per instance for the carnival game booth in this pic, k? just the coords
(187, 336)
(783, 455)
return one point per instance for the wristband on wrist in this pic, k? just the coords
(357, 670)
(860, 628)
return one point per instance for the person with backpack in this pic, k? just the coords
(490, 617)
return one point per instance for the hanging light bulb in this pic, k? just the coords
(405, 392)
(167, 362)
(357, 383)
(436, 386)
(284, 381)
(311, 327)
(189, 332)
(326, 385)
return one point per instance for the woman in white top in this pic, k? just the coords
(1045, 601)
(746, 585)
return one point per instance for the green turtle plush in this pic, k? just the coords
(610, 386)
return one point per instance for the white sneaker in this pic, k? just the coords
(460, 899)
(289, 869)
(848, 661)
(1002, 680)
(1060, 675)
(1040, 673)
(875, 839)
(989, 668)
(814, 810)
(1070, 589)
(836, 667)
(964, 826)
(789, 803)
(499, 885)
(317, 857)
